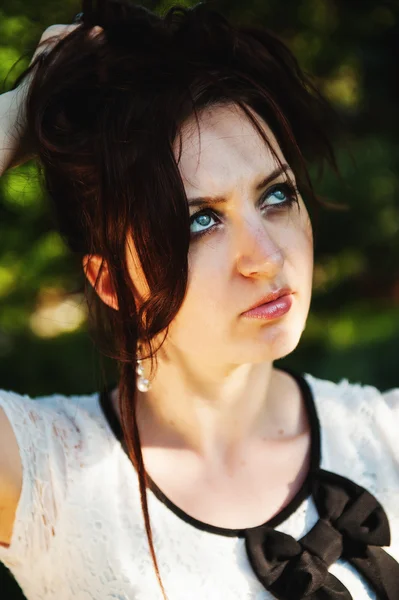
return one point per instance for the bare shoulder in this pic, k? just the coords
(10, 478)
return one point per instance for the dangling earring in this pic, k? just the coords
(143, 384)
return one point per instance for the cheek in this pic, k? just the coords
(303, 236)
(308, 228)
(293, 235)
(302, 259)
(205, 302)
(207, 286)
(207, 264)
(300, 252)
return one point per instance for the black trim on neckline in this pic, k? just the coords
(304, 491)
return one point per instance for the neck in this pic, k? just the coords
(218, 418)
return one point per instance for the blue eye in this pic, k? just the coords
(279, 194)
(284, 193)
(202, 219)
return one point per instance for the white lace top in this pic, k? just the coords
(79, 532)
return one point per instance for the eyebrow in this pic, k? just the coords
(207, 200)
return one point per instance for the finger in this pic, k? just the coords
(58, 30)
(95, 31)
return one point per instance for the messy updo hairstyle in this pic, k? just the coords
(104, 113)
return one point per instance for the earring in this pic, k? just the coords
(143, 384)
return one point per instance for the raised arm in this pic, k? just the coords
(15, 149)
(15, 145)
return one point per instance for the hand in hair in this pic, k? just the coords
(55, 33)
(51, 36)
(13, 132)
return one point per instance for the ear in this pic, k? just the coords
(104, 289)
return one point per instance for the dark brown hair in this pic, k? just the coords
(104, 113)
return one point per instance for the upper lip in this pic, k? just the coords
(270, 297)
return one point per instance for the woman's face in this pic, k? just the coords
(252, 243)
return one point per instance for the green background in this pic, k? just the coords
(352, 50)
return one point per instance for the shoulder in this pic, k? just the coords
(359, 426)
(55, 423)
(47, 444)
(340, 398)
(52, 408)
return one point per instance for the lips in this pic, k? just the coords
(270, 297)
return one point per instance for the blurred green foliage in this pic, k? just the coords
(351, 49)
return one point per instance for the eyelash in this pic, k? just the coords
(288, 189)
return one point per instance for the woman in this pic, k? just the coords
(175, 151)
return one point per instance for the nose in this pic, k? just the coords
(258, 252)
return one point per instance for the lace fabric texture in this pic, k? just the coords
(79, 532)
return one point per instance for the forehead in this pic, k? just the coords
(224, 151)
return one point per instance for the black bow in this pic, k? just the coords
(352, 525)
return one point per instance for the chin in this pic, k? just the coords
(285, 342)
(271, 343)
